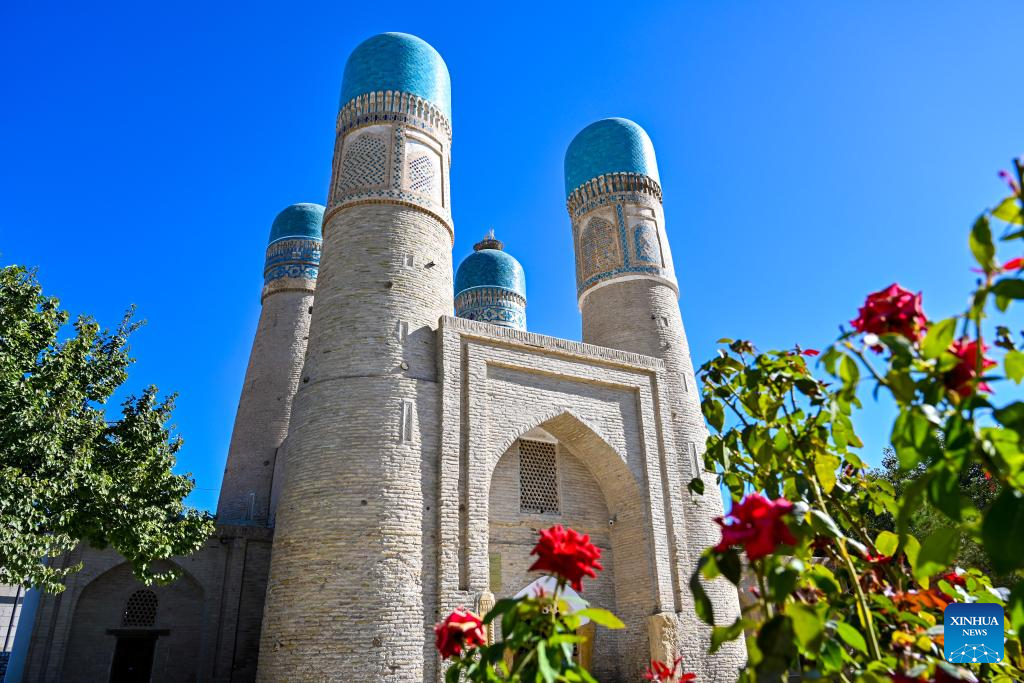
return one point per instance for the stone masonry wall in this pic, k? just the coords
(264, 409)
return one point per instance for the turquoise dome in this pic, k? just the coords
(298, 221)
(609, 146)
(397, 61)
(490, 268)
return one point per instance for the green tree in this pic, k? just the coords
(926, 520)
(67, 473)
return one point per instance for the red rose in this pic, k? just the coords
(567, 554)
(1013, 264)
(660, 672)
(757, 525)
(959, 379)
(460, 629)
(954, 579)
(893, 310)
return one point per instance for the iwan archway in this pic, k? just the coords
(562, 472)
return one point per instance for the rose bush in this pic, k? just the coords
(834, 601)
(538, 632)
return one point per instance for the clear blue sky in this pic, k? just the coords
(810, 152)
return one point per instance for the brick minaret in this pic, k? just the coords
(353, 575)
(628, 297)
(261, 423)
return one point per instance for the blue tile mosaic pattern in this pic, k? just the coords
(298, 220)
(598, 265)
(609, 146)
(492, 305)
(297, 257)
(397, 61)
(490, 268)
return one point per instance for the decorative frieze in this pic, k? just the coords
(583, 198)
(291, 264)
(389, 105)
(493, 305)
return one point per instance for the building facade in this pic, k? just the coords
(401, 436)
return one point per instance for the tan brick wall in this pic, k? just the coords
(264, 409)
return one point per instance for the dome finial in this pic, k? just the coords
(489, 242)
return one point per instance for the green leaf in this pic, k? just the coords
(714, 412)
(852, 637)
(848, 370)
(775, 643)
(696, 485)
(730, 565)
(543, 665)
(886, 543)
(1016, 607)
(807, 625)
(701, 602)
(823, 578)
(822, 523)
(981, 243)
(723, 634)
(1002, 531)
(1014, 365)
(825, 467)
(1011, 416)
(500, 607)
(601, 616)
(912, 547)
(937, 552)
(944, 493)
(939, 337)
(1010, 288)
(1010, 210)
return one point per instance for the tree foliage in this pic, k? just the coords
(67, 473)
(838, 598)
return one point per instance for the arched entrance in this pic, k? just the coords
(562, 472)
(125, 632)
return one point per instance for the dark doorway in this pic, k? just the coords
(133, 659)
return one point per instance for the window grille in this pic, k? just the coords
(538, 477)
(140, 610)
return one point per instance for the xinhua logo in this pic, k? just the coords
(973, 633)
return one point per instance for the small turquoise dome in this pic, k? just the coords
(397, 61)
(609, 146)
(298, 220)
(490, 268)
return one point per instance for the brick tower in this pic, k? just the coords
(353, 578)
(261, 423)
(629, 300)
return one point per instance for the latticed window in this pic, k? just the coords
(140, 610)
(421, 175)
(364, 163)
(538, 477)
